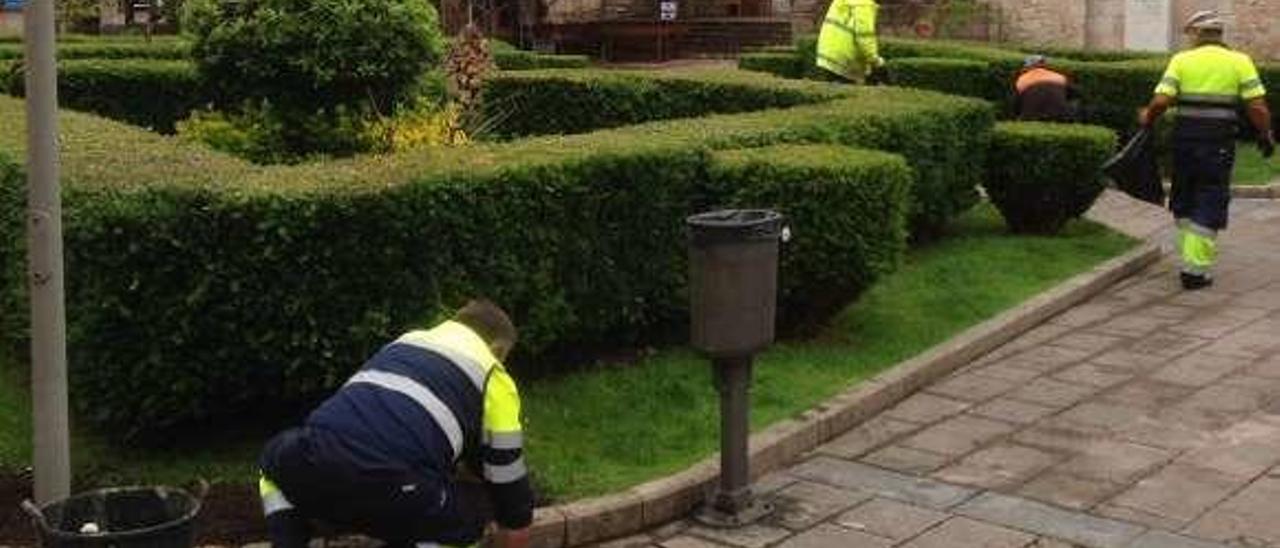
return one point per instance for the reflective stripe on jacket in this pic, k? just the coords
(1209, 83)
(431, 399)
(847, 43)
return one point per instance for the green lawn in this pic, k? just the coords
(617, 425)
(1252, 168)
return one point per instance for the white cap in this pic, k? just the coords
(1205, 20)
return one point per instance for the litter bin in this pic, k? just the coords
(733, 285)
(733, 280)
(119, 517)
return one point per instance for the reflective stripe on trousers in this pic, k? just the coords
(1198, 246)
(273, 499)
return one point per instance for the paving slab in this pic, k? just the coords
(1047, 520)
(1012, 411)
(1067, 491)
(1179, 492)
(972, 387)
(804, 504)
(890, 519)
(925, 408)
(907, 460)
(832, 536)
(750, 536)
(998, 467)
(853, 475)
(958, 436)
(868, 436)
(966, 533)
(1253, 513)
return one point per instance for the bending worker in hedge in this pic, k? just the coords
(1208, 83)
(847, 45)
(379, 456)
(1043, 94)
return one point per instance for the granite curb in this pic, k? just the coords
(1263, 192)
(1270, 191)
(662, 500)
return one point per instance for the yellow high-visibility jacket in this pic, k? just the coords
(847, 44)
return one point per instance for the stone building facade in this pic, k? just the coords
(1253, 25)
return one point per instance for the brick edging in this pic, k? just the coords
(1270, 191)
(1265, 192)
(660, 501)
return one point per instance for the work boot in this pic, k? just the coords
(1192, 282)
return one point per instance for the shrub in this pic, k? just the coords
(153, 94)
(847, 210)
(527, 60)
(249, 286)
(314, 55)
(784, 64)
(1043, 175)
(542, 102)
(954, 76)
(110, 49)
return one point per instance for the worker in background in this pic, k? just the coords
(379, 456)
(847, 45)
(1208, 83)
(1043, 94)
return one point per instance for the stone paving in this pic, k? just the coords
(1147, 417)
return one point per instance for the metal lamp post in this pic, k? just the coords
(733, 280)
(51, 449)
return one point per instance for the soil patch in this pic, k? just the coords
(231, 514)
(15, 528)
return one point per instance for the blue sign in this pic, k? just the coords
(12, 5)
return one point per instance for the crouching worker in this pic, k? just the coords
(380, 456)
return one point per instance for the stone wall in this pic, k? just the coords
(1253, 25)
(1056, 22)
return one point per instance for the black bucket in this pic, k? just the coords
(119, 517)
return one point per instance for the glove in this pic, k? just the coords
(878, 76)
(1267, 145)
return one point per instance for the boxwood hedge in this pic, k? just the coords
(1114, 84)
(1043, 175)
(147, 93)
(847, 208)
(200, 286)
(158, 93)
(110, 49)
(533, 103)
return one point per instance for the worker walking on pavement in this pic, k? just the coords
(1043, 94)
(1208, 84)
(379, 456)
(847, 45)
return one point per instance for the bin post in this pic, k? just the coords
(733, 382)
(733, 271)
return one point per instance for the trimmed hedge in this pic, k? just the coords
(955, 76)
(248, 285)
(565, 102)
(528, 60)
(113, 49)
(1113, 90)
(1042, 175)
(148, 93)
(847, 209)
(569, 102)
(787, 64)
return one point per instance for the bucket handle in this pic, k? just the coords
(36, 515)
(201, 489)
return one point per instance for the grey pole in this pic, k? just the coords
(44, 229)
(733, 381)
